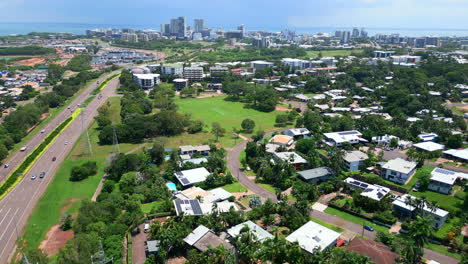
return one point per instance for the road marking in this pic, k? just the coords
(5, 216)
(6, 229)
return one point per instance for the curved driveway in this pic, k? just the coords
(17, 206)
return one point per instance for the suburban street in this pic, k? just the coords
(17, 206)
(14, 160)
(234, 166)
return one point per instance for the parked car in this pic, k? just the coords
(42, 131)
(369, 228)
(54, 158)
(34, 176)
(5, 166)
(42, 175)
(66, 142)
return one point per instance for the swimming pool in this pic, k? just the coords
(171, 186)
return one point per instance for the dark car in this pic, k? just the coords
(369, 228)
(42, 175)
(54, 158)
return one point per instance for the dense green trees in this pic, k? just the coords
(26, 50)
(80, 63)
(83, 171)
(248, 125)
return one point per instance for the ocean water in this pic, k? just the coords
(80, 28)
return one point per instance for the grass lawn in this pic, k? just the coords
(343, 201)
(146, 208)
(442, 200)
(228, 114)
(234, 187)
(355, 219)
(420, 171)
(448, 227)
(63, 196)
(268, 187)
(332, 53)
(227, 140)
(442, 249)
(332, 227)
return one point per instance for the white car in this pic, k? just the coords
(34, 176)
(66, 142)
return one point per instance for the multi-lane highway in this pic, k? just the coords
(16, 207)
(14, 160)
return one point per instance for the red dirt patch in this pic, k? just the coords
(55, 240)
(31, 62)
(282, 108)
(463, 108)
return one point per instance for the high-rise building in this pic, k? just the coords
(264, 42)
(345, 36)
(130, 37)
(355, 33)
(198, 25)
(178, 27)
(128, 30)
(432, 41)
(193, 73)
(339, 34)
(242, 29)
(420, 42)
(363, 33)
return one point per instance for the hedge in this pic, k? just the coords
(103, 84)
(29, 161)
(380, 181)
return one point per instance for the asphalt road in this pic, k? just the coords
(14, 160)
(17, 206)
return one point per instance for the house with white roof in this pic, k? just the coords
(202, 238)
(428, 146)
(147, 80)
(437, 216)
(298, 133)
(372, 191)
(442, 180)
(385, 139)
(195, 207)
(291, 158)
(354, 159)
(338, 138)
(190, 177)
(312, 235)
(398, 170)
(258, 233)
(458, 154)
(211, 196)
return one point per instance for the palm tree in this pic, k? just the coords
(420, 231)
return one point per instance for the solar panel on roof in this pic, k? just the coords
(178, 207)
(363, 185)
(184, 181)
(379, 195)
(179, 173)
(446, 172)
(347, 133)
(196, 207)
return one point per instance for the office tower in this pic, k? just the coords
(432, 41)
(128, 30)
(355, 33)
(346, 35)
(178, 27)
(242, 29)
(338, 34)
(420, 42)
(199, 25)
(363, 33)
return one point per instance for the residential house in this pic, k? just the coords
(313, 236)
(202, 238)
(377, 252)
(442, 180)
(190, 177)
(398, 170)
(298, 133)
(457, 154)
(428, 146)
(384, 140)
(338, 138)
(195, 207)
(436, 216)
(372, 191)
(258, 233)
(291, 158)
(152, 247)
(354, 159)
(191, 150)
(316, 175)
(282, 140)
(212, 196)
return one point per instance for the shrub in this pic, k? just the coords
(83, 171)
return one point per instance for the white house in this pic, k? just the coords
(372, 191)
(436, 216)
(398, 170)
(428, 137)
(338, 138)
(442, 180)
(259, 233)
(258, 65)
(298, 133)
(312, 235)
(386, 139)
(458, 154)
(354, 159)
(428, 146)
(190, 177)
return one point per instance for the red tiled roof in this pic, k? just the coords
(379, 253)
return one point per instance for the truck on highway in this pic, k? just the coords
(24, 148)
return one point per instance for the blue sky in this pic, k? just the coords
(256, 14)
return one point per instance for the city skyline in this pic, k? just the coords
(418, 14)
